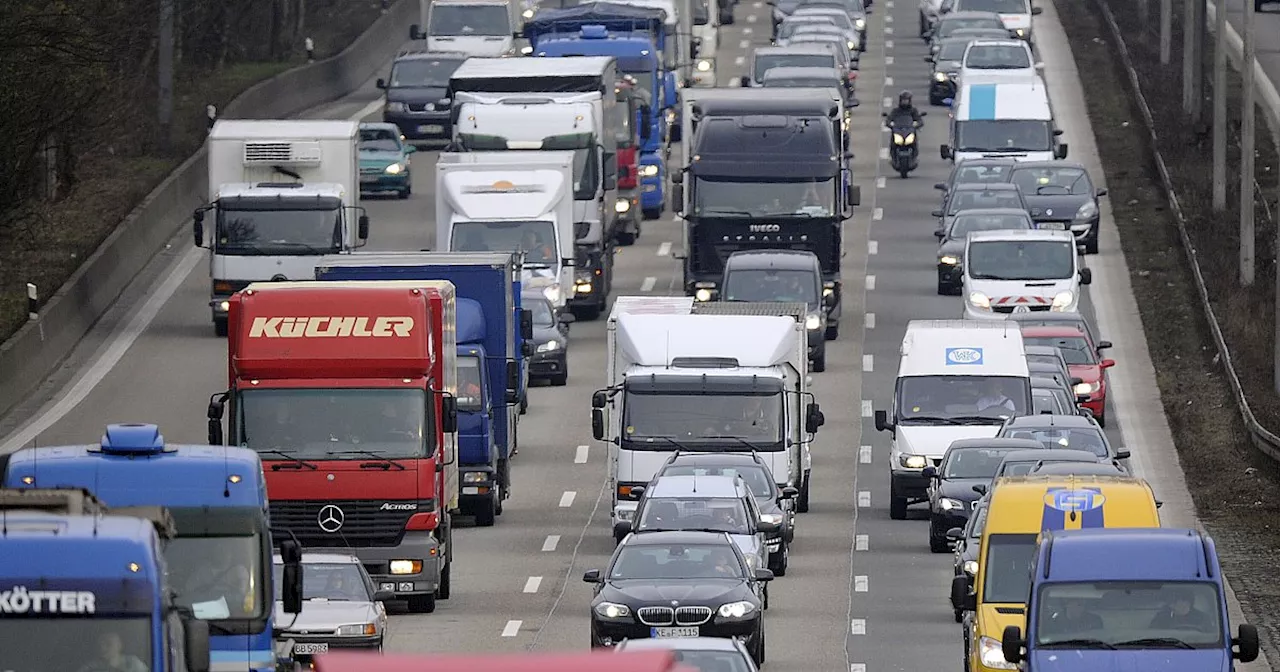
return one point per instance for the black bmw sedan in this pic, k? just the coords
(678, 584)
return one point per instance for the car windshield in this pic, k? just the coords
(972, 463)
(1016, 467)
(422, 72)
(676, 561)
(218, 578)
(659, 418)
(756, 478)
(1045, 401)
(251, 232)
(801, 198)
(772, 285)
(1021, 260)
(713, 661)
(948, 26)
(1074, 349)
(720, 514)
(997, 57)
(817, 28)
(541, 310)
(536, 239)
(90, 644)
(983, 399)
(764, 63)
(1007, 572)
(980, 175)
(952, 51)
(793, 26)
(981, 199)
(839, 17)
(1073, 438)
(333, 424)
(1004, 135)
(469, 384)
(469, 21)
(1052, 181)
(1129, 614)
(802, 83)
(379, 140)
(997, 6)
(963, 224)
(332, 582)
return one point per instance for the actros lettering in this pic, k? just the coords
(19, 600)
(331, 327)
(391, 506)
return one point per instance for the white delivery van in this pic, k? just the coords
(1021, 271)
(957, 380)
(997, 116)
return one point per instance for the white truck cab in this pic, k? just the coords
(957, 380)
(1021, 271)
(484, 28)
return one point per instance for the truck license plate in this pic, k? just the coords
(431, 128)
(673, 632)
(310, 648)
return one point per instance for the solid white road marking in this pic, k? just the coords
(868, 408)
(744, 44)
(861, 542)
(647, 285)
(870, 321)
(531, 585)
(884, 153)
(550, 544)
(871, 282)
(877, 214)
(864, 453)
(739, 60)
(864, 499)
(664, 249)
(581, 456)
(880, 182)
(873, 247)
(512, 628)
(858, 626)
(566, 500)
(868, 363)
(860, 583)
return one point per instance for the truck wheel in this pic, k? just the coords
(832, 332)
(485, 512)
(560, 380)
(897, 505)
(446, 582)
(802, 504)
(220, 328)
(422, 604)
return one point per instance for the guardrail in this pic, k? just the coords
(1262, 438)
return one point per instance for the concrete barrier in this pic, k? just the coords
(33, 353)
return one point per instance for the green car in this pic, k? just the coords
(384, 160)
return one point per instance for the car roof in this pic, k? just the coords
(1050, 332)
(1056, 163)
(799, 72)
(1044, 383)
(695, 486)
(431, 56)
(987, 186)
(997, 443)
(790, 49)
(662, 538)
(970, 14)
(1073, 468)
(380, 125)
(984, 160)
(987, 212)
(679, 644)
(796, 259)
(1022, 234)
(1041, 366)
(1051, 454)
(1010, 42)
(1045, 421)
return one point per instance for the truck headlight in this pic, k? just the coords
(1087, 211)
(851, 45)
(622, 205)
(1086, 388)
(948, 504)
(703, 294)
(812, 322)
(582, 286)
(1063, 299)
(650, 170)
(612, 610)
(828, 288)
(405, 566)
(970, 567)
(939, 76)
(1022, 32)
(394, 169)
(992, 654)
(913, 461)
(980, 300)
(549, 346)
(357, 630)
(475, 477)
(948, 260)
(704, 66)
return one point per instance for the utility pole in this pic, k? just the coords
(1190, 54)
(1144, 12)
(1166, 31)
(1275, 345)
(1197, 73)
(1219, 109)
(1248, 130)
(165, 71)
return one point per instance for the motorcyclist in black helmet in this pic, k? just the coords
(906, 108)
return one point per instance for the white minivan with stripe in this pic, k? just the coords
(1003, 117)
(1021, 271)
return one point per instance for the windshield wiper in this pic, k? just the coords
(383, 463)
(979, 419)
(1172, 642)
(301, 246)
(932, 419)
(753, 447)
(1079, 644)
(990, 276)
(288, 456)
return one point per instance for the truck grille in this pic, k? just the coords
(364, 523)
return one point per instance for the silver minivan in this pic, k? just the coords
(1021, 271)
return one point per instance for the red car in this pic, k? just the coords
(1083, 359)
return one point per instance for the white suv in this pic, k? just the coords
(1008, 272)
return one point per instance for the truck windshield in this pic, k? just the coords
(470, 384)
(1004, 135)
(469, 21)
(644, 81)
(719, 514)
(218, 578)
(1022, 260)
(278, 232)
(765, 196)
(88, 644)
(536, 239)
(772, 285)
(1006, 576)
(927, 400)
(1129, 614)
(652, 420)
(333, 424)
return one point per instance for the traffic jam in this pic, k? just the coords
(379, 407)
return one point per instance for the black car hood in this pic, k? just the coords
(1063, 206)
(952, 247)
(961, 488)
(768, 505)
(709, 592)
(949, 67)
(416, 94)
(545, 334)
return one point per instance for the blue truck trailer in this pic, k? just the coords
(635, 37)
(1127, 599)
(217, 497)
(82, 587)
(492, 330)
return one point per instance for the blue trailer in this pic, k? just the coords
(217, 497)
(635, 37)
(492, 331)
(76, 577)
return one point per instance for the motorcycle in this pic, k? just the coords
(903, 153)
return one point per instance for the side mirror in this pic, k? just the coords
(961, 598)
(955, 534)
(744, 82)
(945, 151)
(599, 399)
(941, 186)
(195, 641)
(567, 318)
(1123, 454)
(980, 489)
(410, 149)
(1080, 399)
(853, 193)
(882, 422)
(415, 32)
(813, 419)
(591, 576)
(1061, 152)
(1100, 193)
(1037, 11)
(937, 213)
(763, 575)
(597, 423)
(1107, 363)
(1011, 644)
(788, 492)
(1246, 644)
(621, 529)
(291, 576)
(939, 234)
(768, 526)
(449, 411)
(526, 324)
(381, 83)
(927, 59)
(362, 227)
(1039, 66)
(197, 225)
(1057, 132)
(1103, 345)
(384, 596)
(1159, 503)
(513, 381)
(726, 16)
(930, 472)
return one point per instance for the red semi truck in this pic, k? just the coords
(347, 391)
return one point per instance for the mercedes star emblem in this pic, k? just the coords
(331, 518)
(1048, 212)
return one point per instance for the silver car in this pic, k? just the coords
(340, 607)
(704, 654)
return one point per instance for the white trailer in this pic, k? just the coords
(484, 28)
(283, 194)
(683, 381)
(507, 202)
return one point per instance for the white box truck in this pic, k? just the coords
(484, 28)
(706, 383)
(509, 202)
(283, 194)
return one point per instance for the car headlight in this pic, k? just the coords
(475, 477)
(828, 288)
(736, 610)
(552, 293)
(860, 24)
(650, 170)
(851, 45)
(980, 300)
(948, 260)
(622, 205)
(1087, 211)
(992, 654)
(549, 346)
(1022, 32)
(394, 169)
(970, 567)
(357, 630)
(1086, 388)
(1063, 299)
(582, 286)
(812, 322)
(913, 461)
(948, 504)
(939, 76)
(528, 13)
(401, 567)
(397, 107)
(612, 610)
(774, 518)
(444, 102)
(702, 295)
(704, 65)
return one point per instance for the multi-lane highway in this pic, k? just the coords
(863, 592)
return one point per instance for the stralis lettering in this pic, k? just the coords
(19, 600)
(330, 327)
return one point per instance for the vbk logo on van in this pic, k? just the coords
(964, 356)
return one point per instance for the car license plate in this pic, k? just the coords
(1051, 226)
(310, 648)
(431, 128)
(673, 632)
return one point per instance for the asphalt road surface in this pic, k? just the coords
(863, 593)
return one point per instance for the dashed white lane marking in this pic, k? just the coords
(873, 247)
(647, 285)
(751, 18)
(888, 44)
(888, 4)
(871, 282)
(869, 320)
(868, 409)
(861, 542)
(858, 626)
(864, 452)
(860, 583)
(550, 544)
(888, 30)
(566, 500)
(888, 18)
(532, 584)
(739, 60)
(512, 628)
(664, 249)
(744, 44)
(581, 456)
(884, 153)
(868, 363)
(888, 102)
(757, 5)
(888, 60)
(857, 667)
(864, 499)
(880, 182)
(877, 214)
(888, 81)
